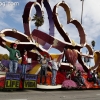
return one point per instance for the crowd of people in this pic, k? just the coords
(14, 56)
(76, 75)
(78, 78)
(93, 76)
(53, 66)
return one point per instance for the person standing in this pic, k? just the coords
(14, 56)
(24, 62)
(54, 70)
(44, 64)
(94, 77)
(98, 78)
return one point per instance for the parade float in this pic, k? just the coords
(38, 43)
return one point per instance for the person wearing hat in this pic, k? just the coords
(44, 64)
(14, 56)
(24, 62)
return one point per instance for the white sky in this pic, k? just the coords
(11, 17)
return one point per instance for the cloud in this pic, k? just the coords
(3, 51)
(90, 15)
(62, 18)
(5, 7)
(3, 25)
(17, 16)
(91, 18)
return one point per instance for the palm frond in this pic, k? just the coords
(93, 44)
(38, 20)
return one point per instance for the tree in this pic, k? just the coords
(1, 56)
(38, 20)
(20, 60)
(5, 57)
(93, 43)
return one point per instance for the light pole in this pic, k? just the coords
(82, 10)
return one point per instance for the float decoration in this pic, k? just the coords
(70, 51)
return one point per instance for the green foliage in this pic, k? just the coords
(93, 43)
(5, 57)
(38, 20)
(1, 56)
(20, 60)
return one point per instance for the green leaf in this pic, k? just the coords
(38, 20)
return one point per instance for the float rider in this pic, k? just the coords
(14, 56)
(44, 64)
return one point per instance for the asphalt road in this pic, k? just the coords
(51, 95)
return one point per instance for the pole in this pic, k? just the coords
(82, 10)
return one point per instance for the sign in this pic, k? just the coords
(12, 80)
(30, 81)
(29, 60)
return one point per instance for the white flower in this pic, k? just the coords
(55, 43)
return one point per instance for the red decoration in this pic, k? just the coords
(2, 82)
(61, 77)
(48, 78)
(71, 56)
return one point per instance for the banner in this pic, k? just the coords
(12, 80)
(30, 81)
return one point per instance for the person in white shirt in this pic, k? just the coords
(54, 70)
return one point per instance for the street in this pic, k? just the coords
(51, 95)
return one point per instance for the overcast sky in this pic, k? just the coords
(11, 17)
